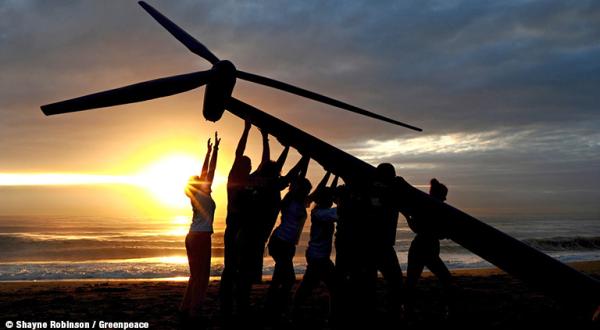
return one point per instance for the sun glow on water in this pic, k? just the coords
(179, 231)
(173, 260)
(181, 220)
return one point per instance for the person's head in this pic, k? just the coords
(300, 187)
(385, 172)
(438, 190)
(242, 167)
(323, 197)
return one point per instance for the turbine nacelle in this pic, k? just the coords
(218, 90)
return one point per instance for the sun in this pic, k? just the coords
(166, 179)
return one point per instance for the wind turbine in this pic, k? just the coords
(219, 81)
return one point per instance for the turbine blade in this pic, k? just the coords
(129, 94)
(185, 38)
(317, 97)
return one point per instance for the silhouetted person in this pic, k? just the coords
(198, 239)
(238, 200)
(268, 184)
(265, 186)
(319, 267)
(383, 216)
(283, 241)
(356, 271)
(424, 250)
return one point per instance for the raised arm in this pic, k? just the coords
(213, 160)
(204, 172)
(324, 181)
(335, 182)
(241, 147)
(266, 153)
(321, 185)
(304, 167)
(282, 158)
(299, 170)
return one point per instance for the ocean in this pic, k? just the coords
(61, 248)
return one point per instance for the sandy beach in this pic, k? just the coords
(488, 299)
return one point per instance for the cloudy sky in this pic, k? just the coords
(507, 92)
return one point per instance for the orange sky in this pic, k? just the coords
(509, 111)
(148, 181)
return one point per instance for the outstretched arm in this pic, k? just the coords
(335, 182)
(282, 158)
(299, 170)
(321, 185)
(266, 154)
(204, 172)
(304, 167)
(213, 160)
(324, 181)
(239, 152)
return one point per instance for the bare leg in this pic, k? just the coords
(200, 269)
(185, 303)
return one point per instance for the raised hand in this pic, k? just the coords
(264, 133)
(217, 140)
(209, 145)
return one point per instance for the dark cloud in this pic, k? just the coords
(451, 67)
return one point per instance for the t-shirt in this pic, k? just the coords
(293, 216)
(204, 211)
(321, 232)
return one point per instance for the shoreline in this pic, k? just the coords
(583, 266)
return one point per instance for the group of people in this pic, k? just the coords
(363, 223)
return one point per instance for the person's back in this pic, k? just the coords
(383, 214)
(425, 226)
(424, 250)
(266, 185)
(360, 233)
(238, 190)
(238, 179)
(282, 245)
(355, 262)
(322, 228)
(293, 216)
(342, 314)
(319, 267)
(238, 200)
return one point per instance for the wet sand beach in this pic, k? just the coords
(488, 299)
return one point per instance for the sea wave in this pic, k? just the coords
(565, 243)
(45, 247)
(152, 268)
